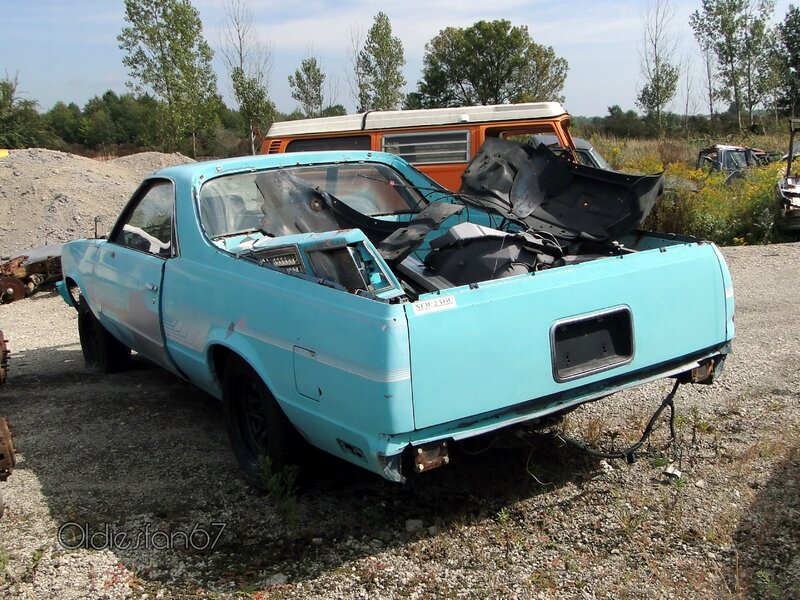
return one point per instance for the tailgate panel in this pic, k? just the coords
(497, 345)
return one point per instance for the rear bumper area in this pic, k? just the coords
(701, 367)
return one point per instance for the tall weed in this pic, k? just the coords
(706, 205)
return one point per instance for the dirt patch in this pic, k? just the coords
(48, 196)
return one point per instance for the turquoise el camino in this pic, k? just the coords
(345, 300)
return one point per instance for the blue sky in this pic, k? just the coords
(67, 49)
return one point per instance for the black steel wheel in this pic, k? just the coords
(102, 352)
(257, 427)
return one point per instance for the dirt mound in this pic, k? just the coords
(48, 196)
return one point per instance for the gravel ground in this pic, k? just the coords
(137, 466)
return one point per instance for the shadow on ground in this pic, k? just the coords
(143, 452)
(767, 539)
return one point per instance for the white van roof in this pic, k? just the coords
(391, 119)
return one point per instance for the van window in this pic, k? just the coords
(345, 142)
(430, 147)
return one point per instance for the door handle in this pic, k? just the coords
(152, 287)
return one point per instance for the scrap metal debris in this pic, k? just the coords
(672, 472)
(4, 353)
(24, 274)
(7, 460)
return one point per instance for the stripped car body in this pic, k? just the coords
(789, 187)
(387, 316)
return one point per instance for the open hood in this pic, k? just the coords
(550, 194)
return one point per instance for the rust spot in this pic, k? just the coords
(7, 460)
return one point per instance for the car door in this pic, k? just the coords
(130, 268)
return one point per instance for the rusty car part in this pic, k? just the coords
(24, 274)
(11, 289)
(7, 460)
(4, 353)
(430, 456)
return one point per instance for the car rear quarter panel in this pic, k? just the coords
(337, 363)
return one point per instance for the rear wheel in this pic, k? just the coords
(102, 352)
(257, 427)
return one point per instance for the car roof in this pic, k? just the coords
(198, 172)
(722, 147)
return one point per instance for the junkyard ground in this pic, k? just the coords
(136, 464)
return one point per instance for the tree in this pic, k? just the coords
(306, 84)
(719, 25)
(789, 57)
(490, 62)
(709, 75)
(757, 61)
(249, 64)
(66, 122)
(378, 76)
(21, 126)
(166, 54)
(622, 124)
(659, 74)
(687, 89)
(736, 30)
(359, 87)
(256, 108)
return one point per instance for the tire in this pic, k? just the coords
(102, 352)
(257, 427)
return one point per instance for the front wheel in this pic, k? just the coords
(102, 352)
(257, 427)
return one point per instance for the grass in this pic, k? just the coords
(281, 485)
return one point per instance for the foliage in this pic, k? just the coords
(20, 123)
(660, 75)
(737, 34)
(334, 110)
(617, 123)
(712, 207)
(165, 53)
(379, 66)
(66, 122)
(490, 62)
(254, 105)
(306, 84)
(281, 485)
(758, 60)
(788, 52)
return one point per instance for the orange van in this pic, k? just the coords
(437, 141)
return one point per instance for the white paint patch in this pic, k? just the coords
(434, 305)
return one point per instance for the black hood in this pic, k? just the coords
(548, 193)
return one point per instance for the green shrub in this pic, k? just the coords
(706, 205)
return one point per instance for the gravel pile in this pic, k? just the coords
(48, 196)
